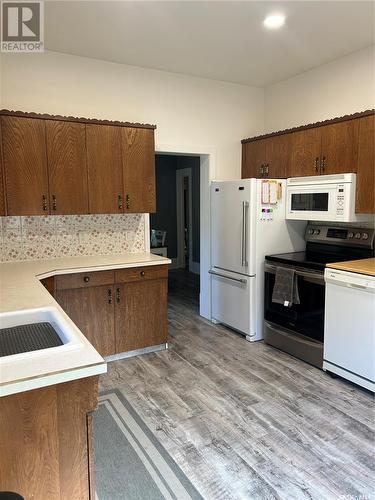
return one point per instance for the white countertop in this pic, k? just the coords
(21, 289)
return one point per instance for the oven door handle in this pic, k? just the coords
(317, 276)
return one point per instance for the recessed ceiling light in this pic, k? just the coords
(274, 21)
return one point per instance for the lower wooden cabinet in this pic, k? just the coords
(92, 310)
(140, 315)
(46, 441)
(128, 312)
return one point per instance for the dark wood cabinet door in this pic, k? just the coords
(25, 165)
(253, 159)
(138, 154)
(140, 314)
(278, 152)
(340, 147)
(366, 166)
(305, 153)
(104, 163)
(67, 169)
(92, 310)
(2, 192)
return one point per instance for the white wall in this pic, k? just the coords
(187, 110)
(341, 87)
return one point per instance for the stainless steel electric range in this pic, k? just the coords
(299, 329)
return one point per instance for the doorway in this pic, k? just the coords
(175, 227)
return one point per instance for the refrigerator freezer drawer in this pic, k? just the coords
(233, 300)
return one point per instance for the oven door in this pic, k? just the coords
(306, 318)
(316, 202)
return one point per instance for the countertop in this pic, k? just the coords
(20, 289)
(362, 266)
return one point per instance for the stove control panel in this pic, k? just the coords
(343, 235)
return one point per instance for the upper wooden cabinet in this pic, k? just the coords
(66, 153)
(2, 193)
(253, 159)
(305, 153)
(138, 156)
(366, 166)
(104, 161)
(341, 145)
(25, 165)
(56, 165)
(266, 157)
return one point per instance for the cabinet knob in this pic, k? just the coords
(142, 273)
(317, 164)
(323, 164)
(86, 279)
(119, 202)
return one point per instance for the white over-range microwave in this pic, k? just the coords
(323, 198)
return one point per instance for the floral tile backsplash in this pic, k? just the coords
(49, 236)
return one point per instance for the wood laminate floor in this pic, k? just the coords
(246, 421)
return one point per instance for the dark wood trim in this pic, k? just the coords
(330, 121)
(45, 116)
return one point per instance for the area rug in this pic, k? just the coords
(131, 464)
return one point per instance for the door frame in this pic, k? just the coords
(207, 156)
(180, 175)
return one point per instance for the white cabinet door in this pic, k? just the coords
(233, 301)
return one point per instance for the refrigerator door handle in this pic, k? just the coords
(245, 206)
(239, 280)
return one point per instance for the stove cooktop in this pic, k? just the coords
(310, 260)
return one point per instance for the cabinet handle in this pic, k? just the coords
(86, 279)
(109, 296)
(119, 202)
(142, 273)
(267, 169)
(117, 295)
(127, 201)
(54, 202)
(262, 170)
(44, 203)
(323, 164)
(317, 164)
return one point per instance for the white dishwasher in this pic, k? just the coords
(349, 328)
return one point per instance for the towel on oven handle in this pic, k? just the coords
(285, 290)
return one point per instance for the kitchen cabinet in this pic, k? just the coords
(67, 168)
(340, 145)
(305, 153)
(117, 311)
(253, 159)
(365, 202)
(25, 166)
(92, 310)
(138, 153)
(267, 157)
(105, 172)
(46, 441)
(2, 193)
(140, 314)
(57, 165)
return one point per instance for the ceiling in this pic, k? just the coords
(223, 40)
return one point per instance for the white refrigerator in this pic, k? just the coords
(247, 223)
